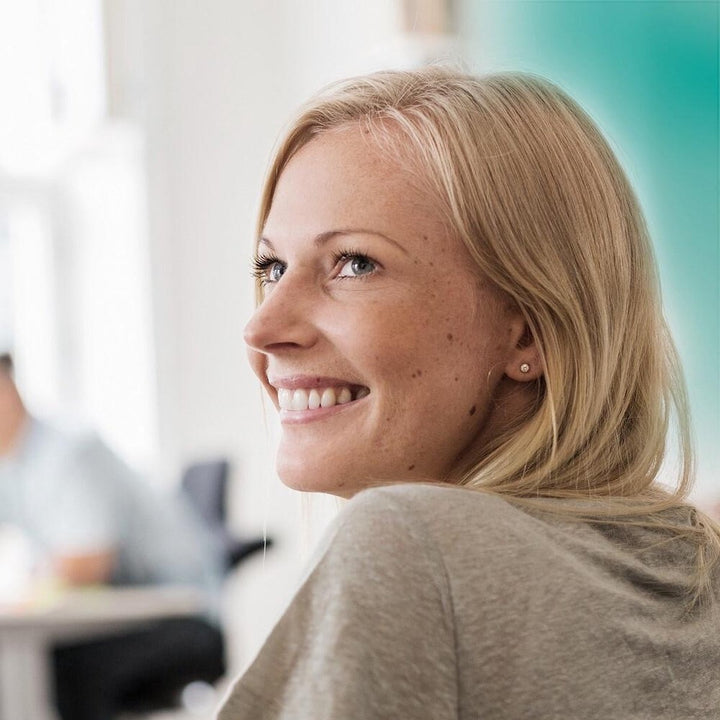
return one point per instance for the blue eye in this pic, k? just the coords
(275, 272)
(356, 266)
(268, 269)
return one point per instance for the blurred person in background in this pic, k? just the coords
(92, 520)
(459, 323)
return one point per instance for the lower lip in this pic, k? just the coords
(300, 417)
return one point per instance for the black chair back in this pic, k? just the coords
(205, 483)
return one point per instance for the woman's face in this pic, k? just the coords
(385, 355)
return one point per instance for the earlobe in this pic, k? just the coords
(524, 371)
(524, 364)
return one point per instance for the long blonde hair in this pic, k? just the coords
(528, 183)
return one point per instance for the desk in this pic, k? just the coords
(27, 634)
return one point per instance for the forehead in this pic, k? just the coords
(345, 178)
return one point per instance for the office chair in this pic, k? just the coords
(205, 484)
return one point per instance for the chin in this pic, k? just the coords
(314, 481)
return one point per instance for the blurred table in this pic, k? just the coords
(28, 632)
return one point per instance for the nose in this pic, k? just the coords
(284, 318)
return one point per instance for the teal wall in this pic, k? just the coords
(648, 73)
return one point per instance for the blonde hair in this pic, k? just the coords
(528, 183)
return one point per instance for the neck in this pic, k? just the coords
(513, 404)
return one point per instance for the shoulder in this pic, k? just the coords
(382, 538)
(416, 525)
(376, 556)
(391, 513)
(428, 497)
(451, 531)
(78, 462)
(369, 633)
(419, 508)
(63, 446)
(93, 461)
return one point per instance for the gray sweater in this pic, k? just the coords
(431, 603)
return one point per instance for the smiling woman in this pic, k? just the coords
(370, 305)
(459, 323)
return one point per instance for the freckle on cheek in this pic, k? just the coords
(457, 379)
(419, 372)
(450, 337)
(411, 467)
(473, 409)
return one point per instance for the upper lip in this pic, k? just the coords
(296, 382)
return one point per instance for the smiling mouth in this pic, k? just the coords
(315, 398)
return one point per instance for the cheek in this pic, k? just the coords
(441, 369)
(454, 370)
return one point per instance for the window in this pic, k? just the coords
(74, 269)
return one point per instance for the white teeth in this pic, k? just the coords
(328, 398)
(285, 398)
(301, 399)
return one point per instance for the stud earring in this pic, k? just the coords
(524, 368)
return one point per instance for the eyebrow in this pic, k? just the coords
(324, 237)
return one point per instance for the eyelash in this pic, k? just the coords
(261, 263)
(342, 256)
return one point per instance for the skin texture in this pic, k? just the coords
(438, 348)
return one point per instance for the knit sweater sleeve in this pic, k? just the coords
(369, 634)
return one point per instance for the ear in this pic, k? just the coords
(524, 363)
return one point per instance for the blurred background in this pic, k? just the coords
(134, 137)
